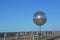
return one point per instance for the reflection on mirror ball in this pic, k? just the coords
(39, 18)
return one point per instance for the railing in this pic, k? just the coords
(28, 36)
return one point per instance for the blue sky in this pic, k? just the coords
(17, 15)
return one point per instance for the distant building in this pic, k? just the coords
(49, 35)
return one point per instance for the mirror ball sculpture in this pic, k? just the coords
(39, 19)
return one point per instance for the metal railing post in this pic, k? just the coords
(5, 36)
(16, 36)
